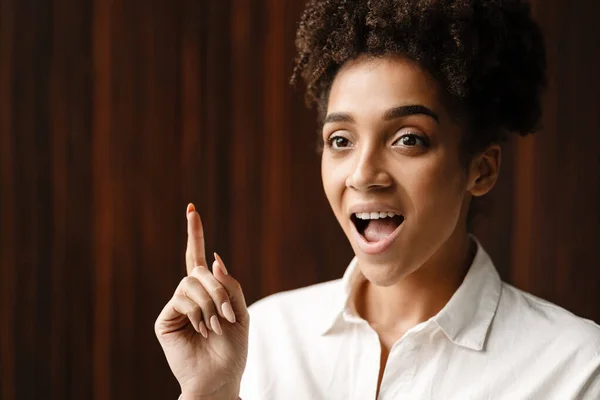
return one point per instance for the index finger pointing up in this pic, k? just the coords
(195, 254)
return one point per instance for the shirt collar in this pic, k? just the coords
(465, 319)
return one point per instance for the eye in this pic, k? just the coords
(412, 140)
(338, 142)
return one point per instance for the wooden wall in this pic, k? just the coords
(114, 114)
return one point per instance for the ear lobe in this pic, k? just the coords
(484, 170)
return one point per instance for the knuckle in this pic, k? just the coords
(195, 309)
(237, 286)
(220, 293)
(208, 305)
(197, 271)
(176, 298)
(157, 327)
(188, 282)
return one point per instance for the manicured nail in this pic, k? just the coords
(202, 329)
(216, 326)
(190, 208)
(228, 312)
(221, 264)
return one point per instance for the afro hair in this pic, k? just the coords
(487, 56)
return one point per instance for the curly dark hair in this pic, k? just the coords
(487, 56)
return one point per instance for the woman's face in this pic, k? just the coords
(391, 168)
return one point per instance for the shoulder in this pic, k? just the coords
(547, 323)
(283, 335)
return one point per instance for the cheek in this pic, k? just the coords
(334, 181)
(438, 191)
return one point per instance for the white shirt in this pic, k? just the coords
(490, 341)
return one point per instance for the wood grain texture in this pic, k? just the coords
(114, 114)
(556, 230)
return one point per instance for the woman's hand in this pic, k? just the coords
(203, 329)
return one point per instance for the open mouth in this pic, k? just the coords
(377, 226)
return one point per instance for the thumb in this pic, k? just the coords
(233, 287)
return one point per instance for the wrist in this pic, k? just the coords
(223, 394)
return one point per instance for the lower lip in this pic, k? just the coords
(374, 248)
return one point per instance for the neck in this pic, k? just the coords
(422, 294)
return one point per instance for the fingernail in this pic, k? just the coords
(190, 208)
(216, 326)
(202, 329)
(228, 312)
(221, 264)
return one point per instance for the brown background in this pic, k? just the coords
(114, 114)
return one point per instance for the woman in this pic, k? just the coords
(414, 97)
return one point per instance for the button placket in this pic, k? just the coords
(401, 367)
(365, 361)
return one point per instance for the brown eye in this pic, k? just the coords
(411, 140)
(338, 142)
(408, 140)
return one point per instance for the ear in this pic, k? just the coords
(484, 170)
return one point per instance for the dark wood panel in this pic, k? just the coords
(8, 290)
(115, 114)
(102, 195)
(556, 246)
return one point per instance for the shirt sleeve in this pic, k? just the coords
(257, 374)
(586, 383)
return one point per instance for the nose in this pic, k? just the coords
(369, 173)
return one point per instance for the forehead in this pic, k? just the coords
(373, 85)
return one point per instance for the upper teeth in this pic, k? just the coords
(374, 215)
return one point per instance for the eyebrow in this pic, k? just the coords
(392, 113)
